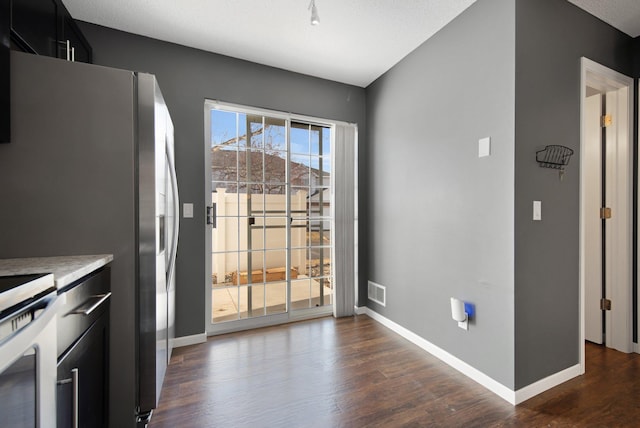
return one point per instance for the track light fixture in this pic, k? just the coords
(315, 18)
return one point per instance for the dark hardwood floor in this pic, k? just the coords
(354, 372)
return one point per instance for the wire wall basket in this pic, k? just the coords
(554, 156)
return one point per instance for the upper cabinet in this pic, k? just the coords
(34, 26)
(42, 27)
(75, 46)
(45, 27)
(5, 88)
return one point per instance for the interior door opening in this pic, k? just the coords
(597, 176)
(272, 217)
(606, 208)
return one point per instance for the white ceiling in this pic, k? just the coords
(622, 14)
(355, 43)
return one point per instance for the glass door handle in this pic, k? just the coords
(211, 215)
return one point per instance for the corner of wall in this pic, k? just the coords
(547, 99)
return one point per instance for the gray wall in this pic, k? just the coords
(551, 36)
(440, 218)
(188, 76)
(445, 223)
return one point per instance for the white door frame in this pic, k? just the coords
(619, 332)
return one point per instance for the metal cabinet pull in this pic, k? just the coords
(75, 374)
(73, 54)
(68, 50)
(86, 309)
(75, 395)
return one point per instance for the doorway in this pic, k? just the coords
(606, 208)
(271, 217)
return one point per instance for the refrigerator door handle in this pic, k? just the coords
(176, 215)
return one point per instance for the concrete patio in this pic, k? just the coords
(230, 302)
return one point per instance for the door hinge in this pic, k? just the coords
(607, 120)
(605, 213)
(605, 304)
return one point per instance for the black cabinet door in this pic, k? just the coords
(34, 25)
(90, 358)
(5, 87)
(45, 27)
(81, 50)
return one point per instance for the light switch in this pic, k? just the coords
(484, 147)
(187, 210)
(537, 210)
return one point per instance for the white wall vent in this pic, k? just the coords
(377, 293)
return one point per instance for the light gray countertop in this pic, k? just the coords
(65, 269)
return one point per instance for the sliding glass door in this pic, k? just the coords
(270, 218)
(311, 218)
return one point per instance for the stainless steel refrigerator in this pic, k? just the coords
(90, 170)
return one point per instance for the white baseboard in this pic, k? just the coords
(360, 310)
(529, 391)
(512, 397)
(195, 339)
(636, 348)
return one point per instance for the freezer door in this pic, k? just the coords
(152, 199)
(172, 232)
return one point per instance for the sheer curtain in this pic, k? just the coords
(345, 151)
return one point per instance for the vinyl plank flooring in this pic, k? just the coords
(354, 372)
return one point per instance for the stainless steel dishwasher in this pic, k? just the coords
(28, 307)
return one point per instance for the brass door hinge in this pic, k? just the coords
(605, 213)
(607, 120)
(605, 304)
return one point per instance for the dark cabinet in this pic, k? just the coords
(45, 27)
(83, 379)
(75, 46)
(83, 353)
(34, 25)
(42, 27)
(5, 87)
